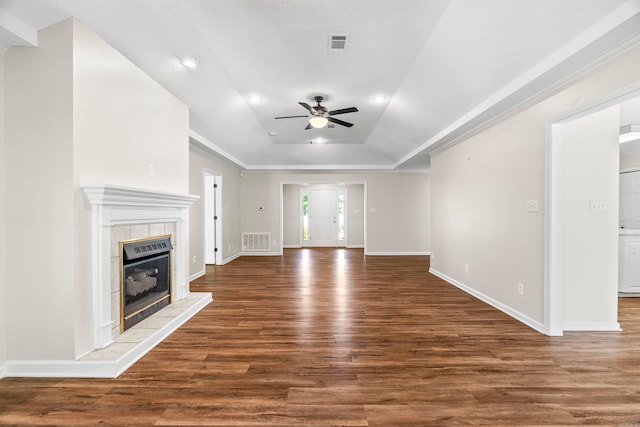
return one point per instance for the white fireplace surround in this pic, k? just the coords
(115, 206)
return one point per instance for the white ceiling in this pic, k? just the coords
(446, 66)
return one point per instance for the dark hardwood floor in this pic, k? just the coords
(331, 338)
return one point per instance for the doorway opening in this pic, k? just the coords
(323, 215)
(564, 299)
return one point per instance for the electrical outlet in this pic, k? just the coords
(195, 259)
(433, 255)
(533, 206)
(598, 206)
(520, 288)
(466, 268)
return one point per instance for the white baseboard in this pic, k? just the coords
(355, 246)
(398, 253)
(231, 258)
(592, 326)
(104, 368)
(2, 371)
(196, 275)
(261, 254)
(532, 323)
(291, 246)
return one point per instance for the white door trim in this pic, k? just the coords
(217, 180)
(554, 220)
(304, 183)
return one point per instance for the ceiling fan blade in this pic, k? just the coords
(288, 117)
(343, 111)
(307, 107)
(308, 126)
(339, 122)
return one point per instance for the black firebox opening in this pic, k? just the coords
(146, 281)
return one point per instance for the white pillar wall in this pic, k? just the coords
(114, 206)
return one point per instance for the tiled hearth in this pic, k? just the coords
(135, 342)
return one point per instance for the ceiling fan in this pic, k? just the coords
(321, 116)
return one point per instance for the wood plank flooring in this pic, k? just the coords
(329, 337)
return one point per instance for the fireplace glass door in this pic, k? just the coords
(146, 279)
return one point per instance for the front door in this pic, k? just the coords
(323, 224)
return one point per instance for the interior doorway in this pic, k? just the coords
(324, 203)
(212, 218)
(561, 249)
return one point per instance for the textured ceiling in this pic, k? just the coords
(446, 67)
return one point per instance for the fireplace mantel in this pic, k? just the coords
(111, 195)
(114, 206)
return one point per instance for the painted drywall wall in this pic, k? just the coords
(261, 191)
(630, 161)
(292, 213)
(398, 213)
(291, 216)
(199, 162)
(128, 130)
(355, 213)
(591, 153)
(480, 190)
(398, 207)
(40, 197)
(3, 282)
(96, 115)
(480, 223)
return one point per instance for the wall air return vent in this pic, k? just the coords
(256, 242)
(337, 43)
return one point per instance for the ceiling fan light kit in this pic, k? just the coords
(318, 122)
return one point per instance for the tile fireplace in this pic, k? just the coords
(124, 214)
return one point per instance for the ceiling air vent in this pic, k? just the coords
(337, 43)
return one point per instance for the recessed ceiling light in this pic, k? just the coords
(254, 98)
(272, 133)
(379, 99)
(189, 61)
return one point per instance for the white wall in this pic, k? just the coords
(125, 123)
(591, 152)
(356, 213)
(480, 188)
(77, 112)
(199, 162)
(40, 197)
(398, 207)
(291, 215)
(631, 160)
(3, 298)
